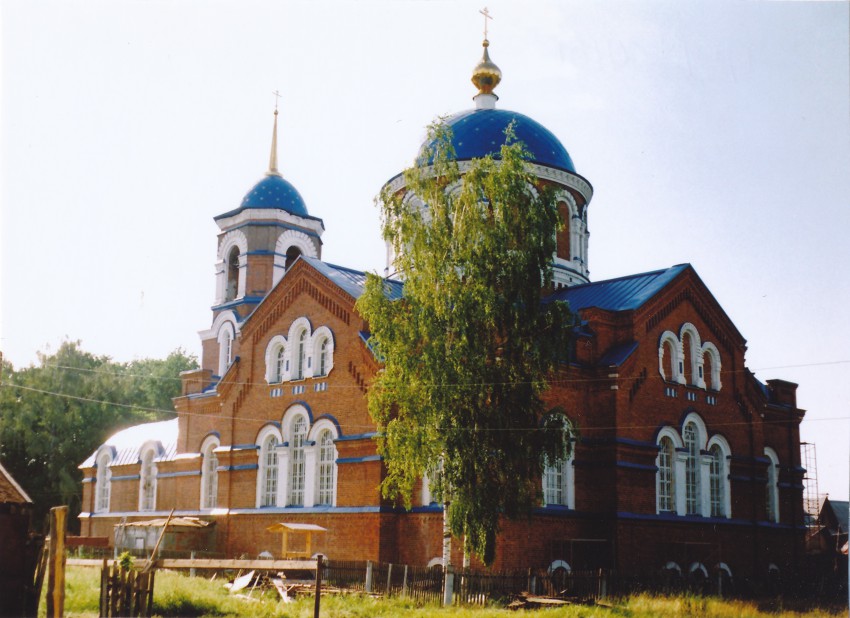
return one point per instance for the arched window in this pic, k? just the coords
(103, 482)
(558, 483)
(301, 355)
(327, 465)
(232, 267)
(665, 479)
(717, 481)
(225, 341)
(669, 358)
(268, 471)
(563, 248)
(209, 474)
(772, 487)
(687, 350)
(322, 363)
(147, 481)
(691, 439)
(711, 363)
(297, 471)
(292, 254)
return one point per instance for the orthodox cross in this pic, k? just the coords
(486, 14)
(276, 99)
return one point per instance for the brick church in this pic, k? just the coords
(686, 463)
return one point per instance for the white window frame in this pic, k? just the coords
(710, 350)
(669, 342)
(209, 473)
(298, 430)
(772, 486)
(268, 466)
(103, 482)
(276, 360)
(721, 506)
(675, 476)
(147, 477)
(322, 335)
(695, 360)
(322, 467)
(559, 483)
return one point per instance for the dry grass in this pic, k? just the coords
(179, 595)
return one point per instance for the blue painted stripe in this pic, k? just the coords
(245, 447)
(431, 508)
(239, 467)
(126, 477)
(636, 466)
(790, 485)
(359, 436)
(168, 475)
(688, 519)
(90, 480)
(348, 460)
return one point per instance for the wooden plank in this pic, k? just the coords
(56, 564)
(204, 563)
(256, 565)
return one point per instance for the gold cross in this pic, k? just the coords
(486, 14)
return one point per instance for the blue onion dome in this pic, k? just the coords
(480, 132)
(274, 191)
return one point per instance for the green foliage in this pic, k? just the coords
(55, 414)
(468, 350)
(126, 560)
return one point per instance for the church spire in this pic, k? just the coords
(273, 156)
(486, 75)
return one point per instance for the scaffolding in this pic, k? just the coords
(811, 497)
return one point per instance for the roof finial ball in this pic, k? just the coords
(486, 75)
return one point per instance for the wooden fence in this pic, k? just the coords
(125, 592)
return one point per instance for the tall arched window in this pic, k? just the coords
(209, 474)
(280, 364)
(269, 471)
(327, 462)
(103, 482)
(717, 481)
(690, 437)
(296, 461)
(147, 481)
(557, 483)
(772, 487)
(225, 342)
(232, 267)
(323, 358)
(301, 355)
(666, 482)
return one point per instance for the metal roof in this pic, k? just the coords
(621, 294)
(127, 443)
(353, 281)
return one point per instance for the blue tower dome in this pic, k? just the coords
(480, 132)
(274, 191)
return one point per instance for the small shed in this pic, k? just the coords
(18, 547)
(302, 548)
(184, 534)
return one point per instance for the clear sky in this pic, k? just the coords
(715, 133)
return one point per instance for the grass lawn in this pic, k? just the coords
(180, 595)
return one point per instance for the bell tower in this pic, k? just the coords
(257, 243)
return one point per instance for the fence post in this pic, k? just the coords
(532, 583)
(404, 583)
(368, 576)
(56, 562)
(603, 584)
(449, 586)
(318, 586)
(389, 577)
(192, 570)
